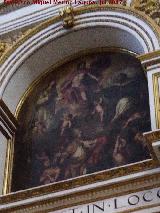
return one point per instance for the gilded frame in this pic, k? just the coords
(79, 181)
(156, 91)
(155, 135)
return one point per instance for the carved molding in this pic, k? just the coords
(85, 196)
(15, 40)
(8, 123)
(150, 59)
(153, 140)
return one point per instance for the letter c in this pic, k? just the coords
(146, 199)
(158, 193)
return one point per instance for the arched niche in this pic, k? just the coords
(88, 104)
(49, 43)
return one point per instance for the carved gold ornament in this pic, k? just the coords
(2, 48)
(150, 7)
(67, 16)
(10, 40)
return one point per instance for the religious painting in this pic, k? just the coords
(84, 117)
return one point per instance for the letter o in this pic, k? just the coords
(133, 196)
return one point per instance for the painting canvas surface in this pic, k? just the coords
(85, 117)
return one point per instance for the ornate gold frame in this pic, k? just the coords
(76, 182)
(8, 167)
(156, 91)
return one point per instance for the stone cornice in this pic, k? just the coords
(53, 203)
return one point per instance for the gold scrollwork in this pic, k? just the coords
(3, 48)
(150, 7)
(7, 42)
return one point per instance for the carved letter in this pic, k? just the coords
(116, 205)
(98, 207)
(133, 197)
(144, 197)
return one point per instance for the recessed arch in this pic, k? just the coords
(105, 26)
(104, 69)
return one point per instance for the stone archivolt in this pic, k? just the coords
(149, 7)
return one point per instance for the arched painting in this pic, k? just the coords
(86, 116)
